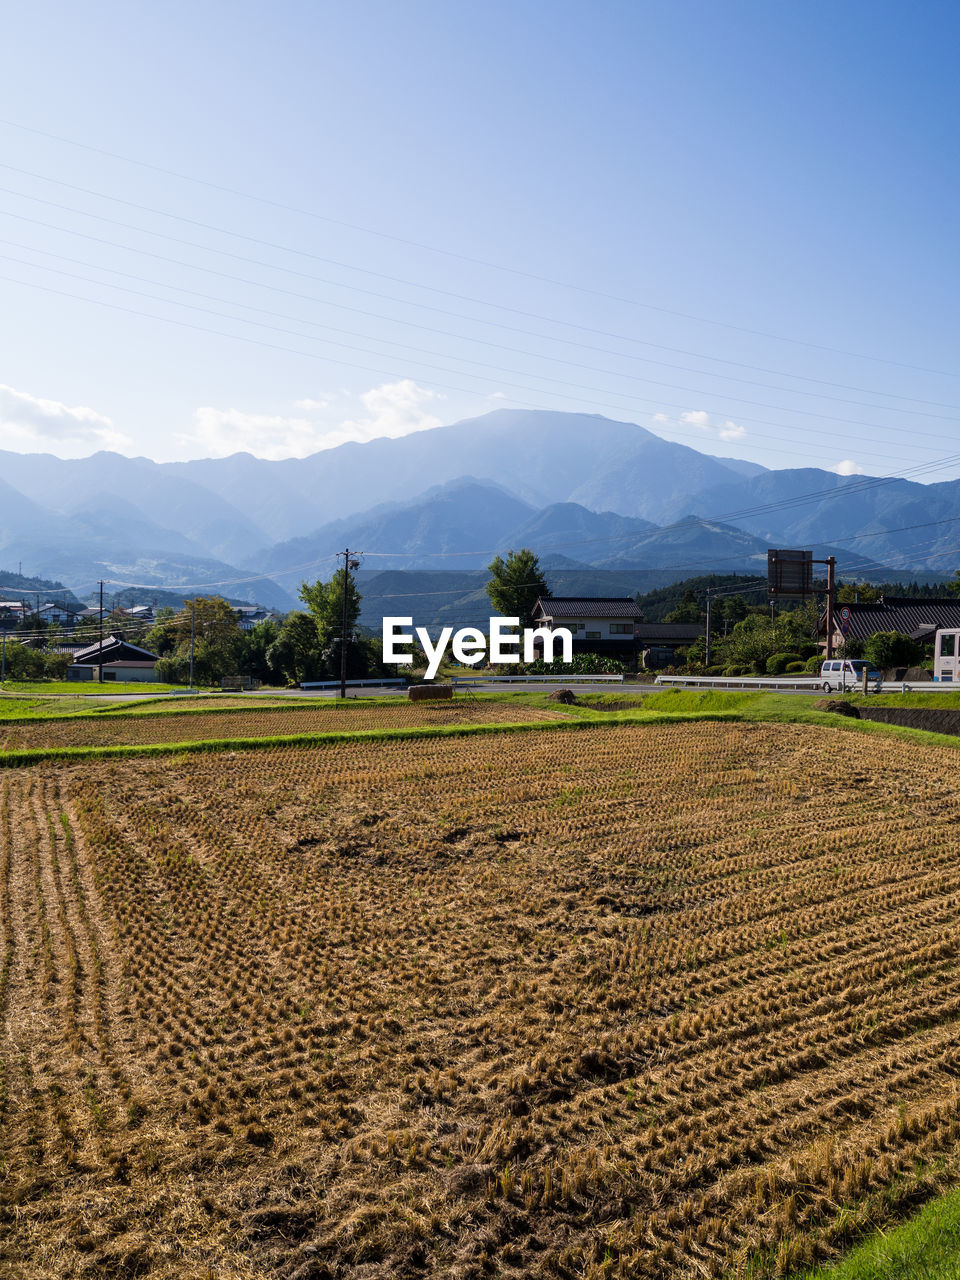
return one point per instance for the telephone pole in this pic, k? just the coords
(348, 564)
(100, 650)
(831, 592)
(706, 638)
(193, 632)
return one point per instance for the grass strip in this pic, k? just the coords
(166, 707)
(36, 755)
(672, 707)
(927, 1247)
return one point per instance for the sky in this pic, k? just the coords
(230, 227)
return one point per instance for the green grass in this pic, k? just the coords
(946, 701)
(35, 755)
(925, 1248)
(12, 708)
(87, 688)
(664, 706)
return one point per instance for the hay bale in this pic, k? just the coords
(566, 696)
(838, 707)
(428, 692)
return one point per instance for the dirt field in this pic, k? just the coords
(640, 1001)
(171, 727)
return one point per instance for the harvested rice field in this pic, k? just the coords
(189, 726)
(659, 1001)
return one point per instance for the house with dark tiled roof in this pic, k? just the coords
(614, 625)
(121, 661)
(918, 619)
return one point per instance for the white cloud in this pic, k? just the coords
(731, 431)
(219, 432)
(29, 423)
(702, 420)
(847, 468)
(697, 417)
(394, 409)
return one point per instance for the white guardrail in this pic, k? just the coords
(474, 680)
(351, 684)
(811, 684)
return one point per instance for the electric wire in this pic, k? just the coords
(445, 252)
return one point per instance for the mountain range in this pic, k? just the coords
(583, 491)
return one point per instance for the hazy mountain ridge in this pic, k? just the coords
(581, 489)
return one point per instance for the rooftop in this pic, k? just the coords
(589, 607)
(906, 614)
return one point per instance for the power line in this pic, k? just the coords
(625, 407)
(455, 314)
(311, 213)
(612, 373)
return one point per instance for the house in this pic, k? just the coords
(591, 620)
(62, 614)
(140, 613)
(614, 625)
(918, 619)
(248, 615)
(659, 641)
(11, 612)
(121, 661)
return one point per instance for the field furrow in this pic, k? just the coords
(134, 729)
(664, 1001)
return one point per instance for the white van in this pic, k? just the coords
(846, 673)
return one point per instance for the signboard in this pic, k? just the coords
(845, 620)
(790, 573)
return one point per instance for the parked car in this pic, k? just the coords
(847, 673)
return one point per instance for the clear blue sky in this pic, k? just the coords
(790, 170)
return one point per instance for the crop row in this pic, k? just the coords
(653, 1001)
(139, 729)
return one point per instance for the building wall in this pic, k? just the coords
(579, 627)
(115, 675)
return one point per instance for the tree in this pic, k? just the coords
(296, 655)
(755, 638)
(162, 637)
(208, 626)
(857, 593)
(253, 648)
(23, 662)
(686, 611)
(324, 601)
(516, 584)
(735, 610)
(892, 649)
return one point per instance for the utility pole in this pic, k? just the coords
(706, 638)
(193, 632)
(3, 656)
(831, 567)
(348, 564)
(100, 651)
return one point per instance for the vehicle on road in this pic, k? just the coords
(840, 674)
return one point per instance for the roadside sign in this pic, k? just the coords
(845, 620)
(790, 573)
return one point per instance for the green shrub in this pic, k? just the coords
(891, 649)
(777, 663)
(794, 668)
(735, 671)
(583, 664)
(813, 665)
